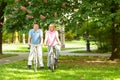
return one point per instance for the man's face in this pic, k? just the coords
(35, 27)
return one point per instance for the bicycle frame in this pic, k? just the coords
(52, 58)
(35, 56)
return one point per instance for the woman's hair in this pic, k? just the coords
(53, 25)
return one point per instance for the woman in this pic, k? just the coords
(52, 40)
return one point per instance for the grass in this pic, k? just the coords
(78, 44)
(84, 51)
(24, 47)
(7, 55)
(69, 68)
(18, 48)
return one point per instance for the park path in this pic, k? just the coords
(69, 53)
(24, 55)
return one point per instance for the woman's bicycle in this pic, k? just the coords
(52, 58)
(35, 56)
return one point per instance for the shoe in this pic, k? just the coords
(56, 61)
(29, 67)
(41, 67)
(49, 68)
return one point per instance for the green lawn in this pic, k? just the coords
(18, 48)
(78, 44)
(93, 51)
(69, 68)
(24, 47)
(7, 55)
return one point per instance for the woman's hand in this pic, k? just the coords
(59, 44)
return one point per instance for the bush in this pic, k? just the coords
(69, 35)
(7, 37)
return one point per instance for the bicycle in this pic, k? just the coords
(35, 56)
(52, 58)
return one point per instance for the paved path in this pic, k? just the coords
(13, 58)
(68, 52)
(24, 55)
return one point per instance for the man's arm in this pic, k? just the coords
(41, 38)
(45, 41)
(29, 39)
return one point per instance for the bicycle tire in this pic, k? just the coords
(35, 66)
(52, 66)
(35, 62)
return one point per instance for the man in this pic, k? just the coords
(36, 38)
(52, 39)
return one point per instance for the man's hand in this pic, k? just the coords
(41, 44)
(45, 44)
(28, 44)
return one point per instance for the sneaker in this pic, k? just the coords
(56, 61)
(42, 67)
(29, 67)
(49, 68)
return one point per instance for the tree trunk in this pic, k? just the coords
(16, 36)
(88, 45)
(23, 38)
(12, 37)
(115, 39)
(87, 42)
(62, 36)
(2, 6)
(115, 42)
(0, 39)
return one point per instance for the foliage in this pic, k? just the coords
(7, 37)
(69, 35)
(102, 16)
(100, 19)
(20, 14)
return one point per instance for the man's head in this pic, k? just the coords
(52, 27)
(35, 26)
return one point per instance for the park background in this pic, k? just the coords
(86, 28)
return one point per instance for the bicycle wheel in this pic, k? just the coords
(52, 66)
(35, 62)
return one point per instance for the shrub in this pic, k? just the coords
(69, 35)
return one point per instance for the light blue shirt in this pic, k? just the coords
(35, 36)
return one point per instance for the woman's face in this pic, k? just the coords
(51, 27)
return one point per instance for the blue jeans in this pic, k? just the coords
(57, 48)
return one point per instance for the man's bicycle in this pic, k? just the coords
(35, 56)
(52, 58)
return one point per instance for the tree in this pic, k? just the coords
(105, 15)
(2, 7)
(73, 14)
(21, 15)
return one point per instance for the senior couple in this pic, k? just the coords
(51, 39)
